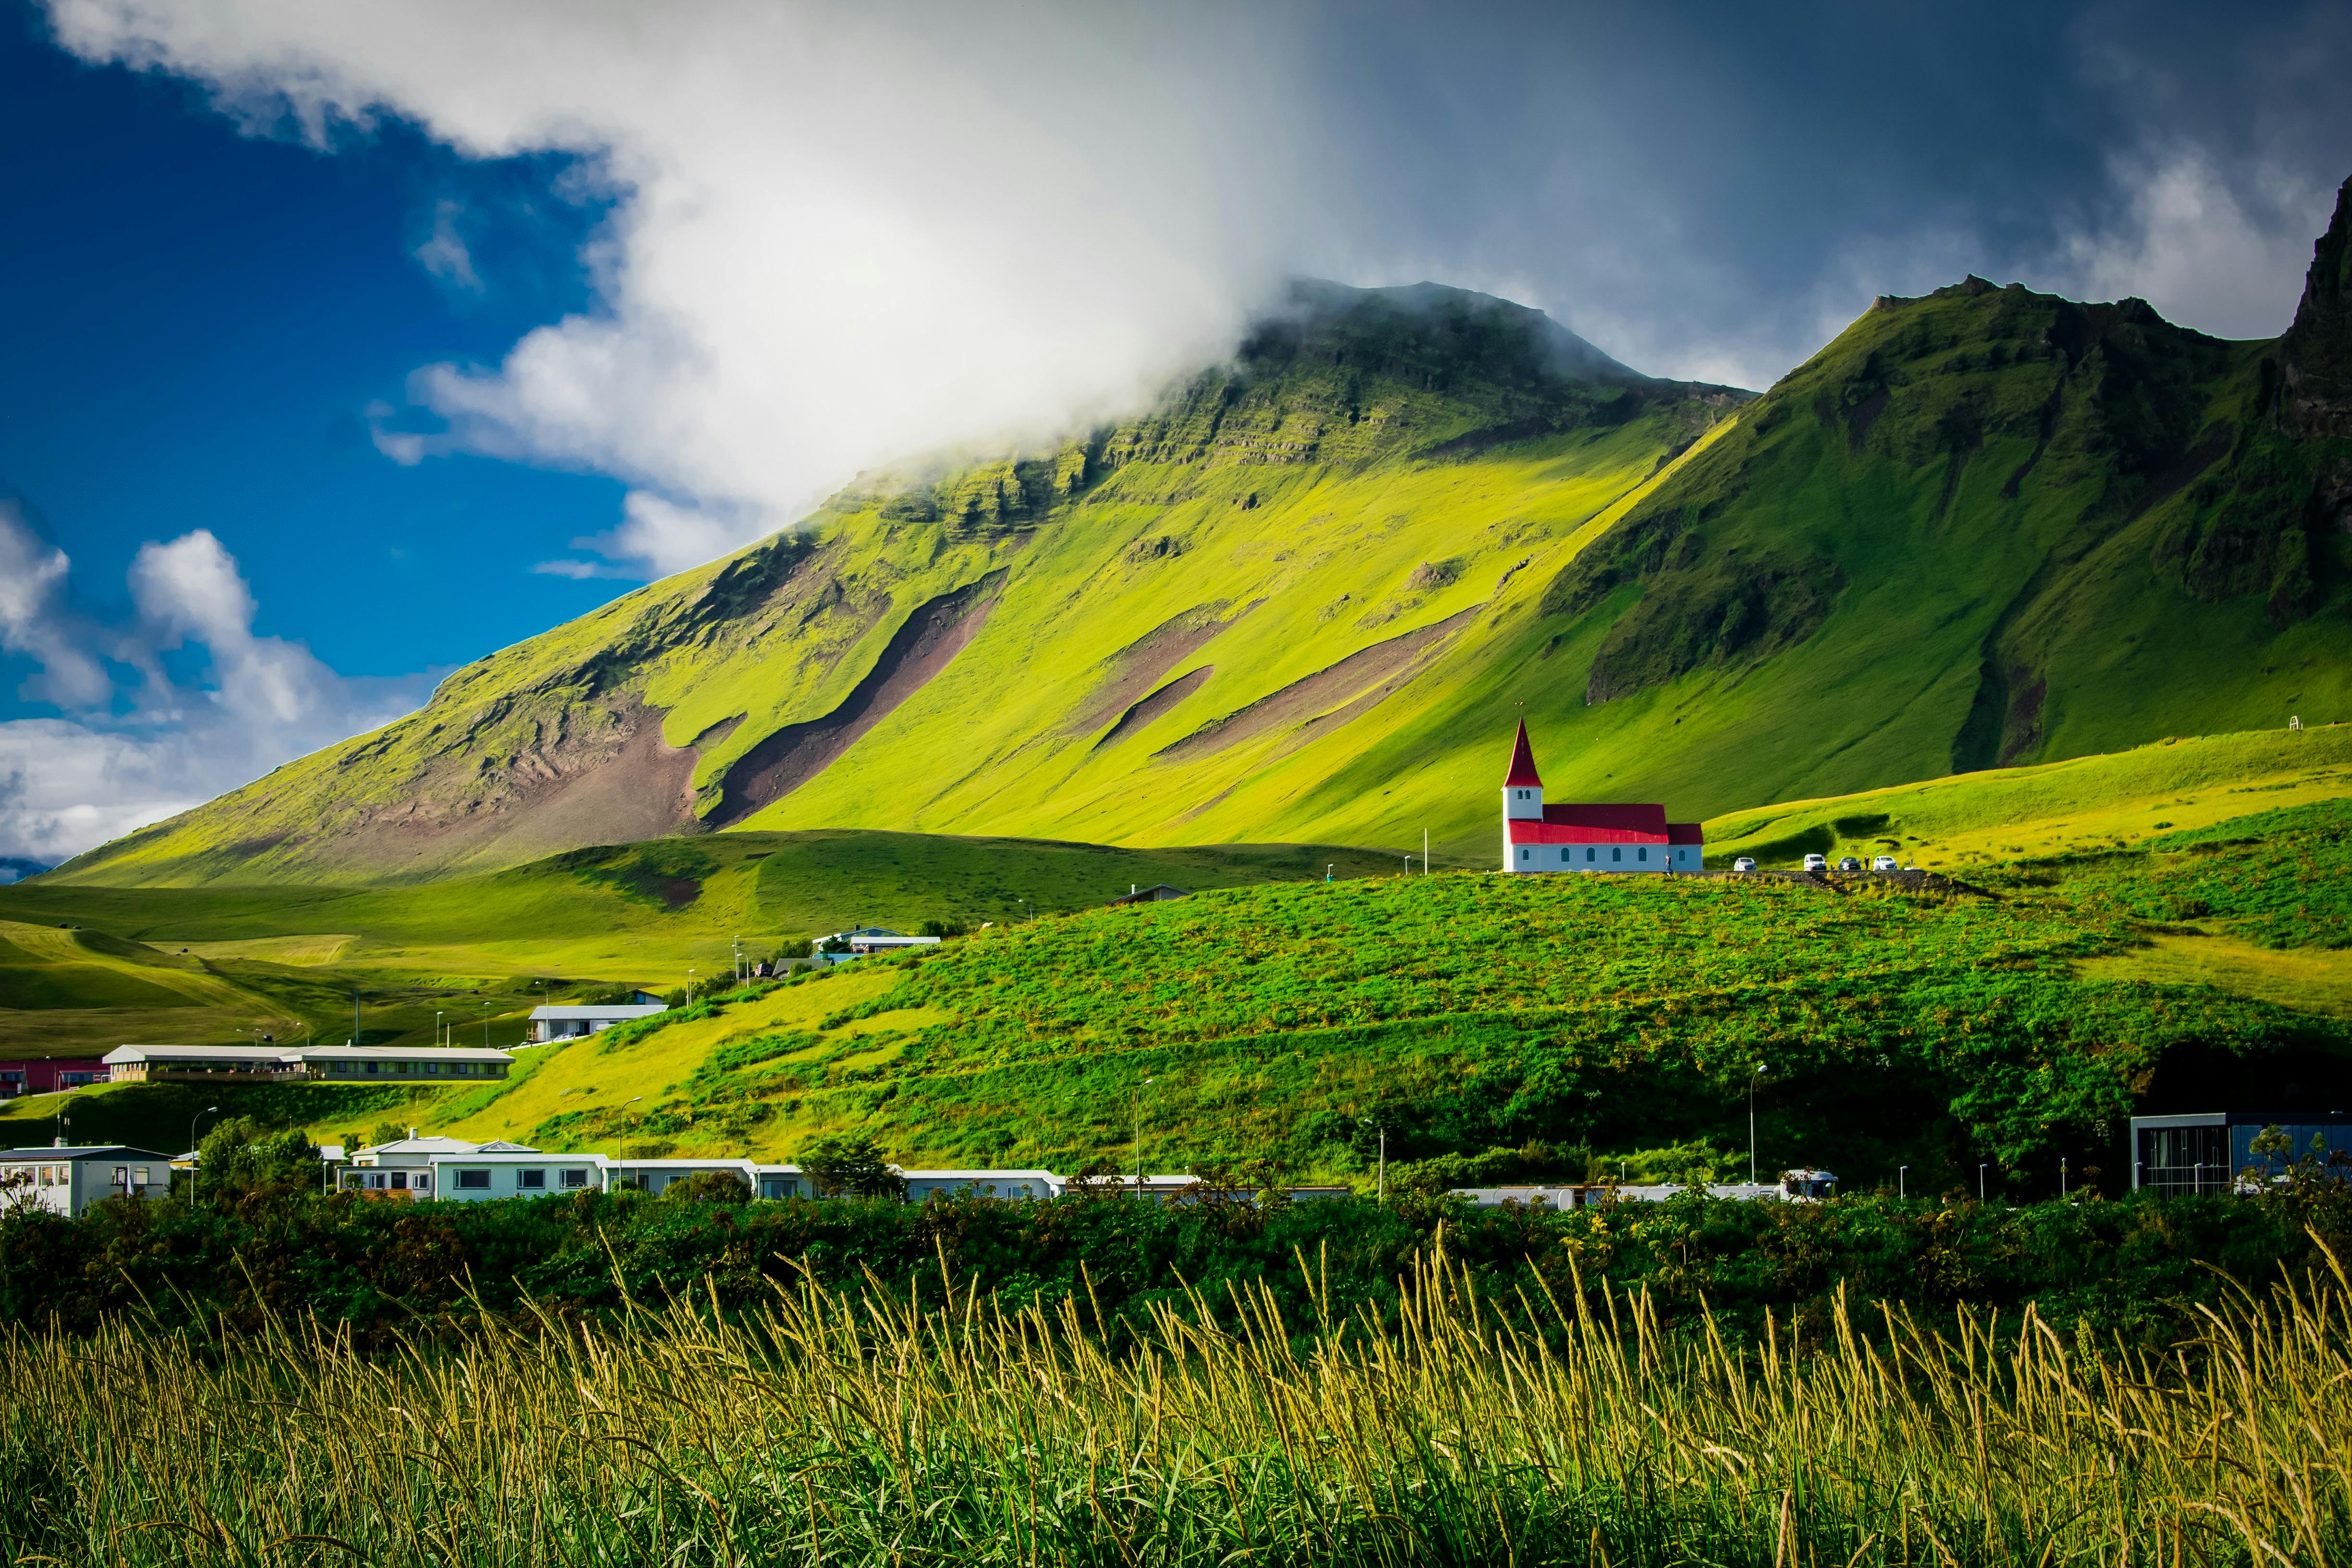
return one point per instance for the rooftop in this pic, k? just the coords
(78, 1151)
(598, 1010)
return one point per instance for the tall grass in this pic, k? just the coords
(870, 1427)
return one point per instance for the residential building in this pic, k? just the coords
(282, 1063)
(873, 939)
(570, 1023)
(50, 1077)
(924, 1186)
(656, 1176)
(2208, 1151)
(67, 1180)
(406, 1167)
(488, 1174)
(1538, 838)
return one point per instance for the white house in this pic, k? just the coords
(656, 1176)
(67, 1180)
(923, 1186)
(409, 1166)
(489, 1172)
(1588, 837)
(570, 1023)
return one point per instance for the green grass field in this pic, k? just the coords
(2179, 903)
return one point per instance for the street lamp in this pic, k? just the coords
(195, 1167)
(1902, 1183)
(689, 988)
(1981, 1184)
(436, 1027)
(485, 1026)
(1751, 1121)
(1138, 1138)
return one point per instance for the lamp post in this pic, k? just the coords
(1138, 1138)
(1751, 1121)
(1902, 1182)
(1981, 1184)
(436, 1027)
(195, 1166)
(2061, 1178)
(689, 988)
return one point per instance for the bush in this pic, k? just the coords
(709, 1186)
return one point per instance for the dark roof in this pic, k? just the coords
(1155, 893)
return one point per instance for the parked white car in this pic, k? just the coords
(1744, 863)
(1884, 863)
(1817, 862)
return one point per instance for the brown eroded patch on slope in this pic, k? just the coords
(1134, 669)
(597, 772)
(1353, 686)
(1150, 708)
(924, 643)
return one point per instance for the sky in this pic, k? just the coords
(342, 344)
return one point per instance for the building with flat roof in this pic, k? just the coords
(67, 1180)
(284, 1064)
(570, 1023)
(2209, 1151)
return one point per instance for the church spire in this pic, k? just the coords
(1523, 762)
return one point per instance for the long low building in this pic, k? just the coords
(280, 1064)
(67, 1180)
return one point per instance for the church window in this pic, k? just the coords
(1642, 854)
(1616, 853)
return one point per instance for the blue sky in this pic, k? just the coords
(342, 345)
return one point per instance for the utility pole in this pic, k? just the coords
(1382, 1190)
(355, 1017)
(1424, 851)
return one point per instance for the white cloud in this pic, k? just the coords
(2220, 250)
(121, 756)
(444, 253)
(841, 234)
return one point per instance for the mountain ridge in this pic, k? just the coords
(1302, 596)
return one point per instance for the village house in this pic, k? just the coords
(67, 1181)
(1588, 837)
(923, 1186)
(50, 1077)
(572, 1023)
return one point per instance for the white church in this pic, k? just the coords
(1632, 838)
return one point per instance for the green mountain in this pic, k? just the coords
(1306, 596)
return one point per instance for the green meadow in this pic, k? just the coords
(2086, 953)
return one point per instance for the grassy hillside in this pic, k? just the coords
(1307, 597)
(2173, 911)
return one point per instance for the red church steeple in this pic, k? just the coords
(1523, 764)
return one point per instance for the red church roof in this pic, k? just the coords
(1523, 764)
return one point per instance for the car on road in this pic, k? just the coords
(1744, 863)
(1817, 862)
(1884, 863)
(1849, 864)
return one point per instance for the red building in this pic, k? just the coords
(1588, 837)
(48, 1077)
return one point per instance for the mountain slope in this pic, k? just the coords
(953, 651)
(1306, 596)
